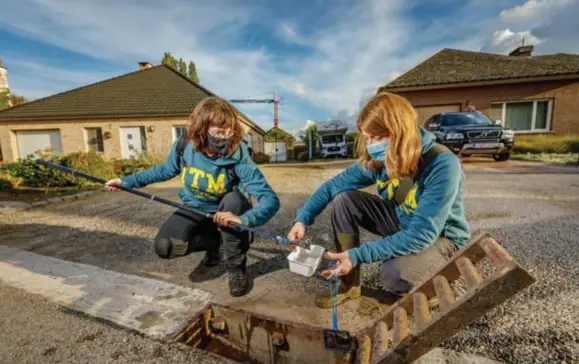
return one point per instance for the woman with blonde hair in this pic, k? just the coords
(418, 211)
(217, 177)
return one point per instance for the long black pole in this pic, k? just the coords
(276, 238)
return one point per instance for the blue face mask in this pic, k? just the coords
(377, 151)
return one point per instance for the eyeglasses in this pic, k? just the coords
(220, 133)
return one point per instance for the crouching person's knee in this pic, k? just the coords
(163, 247)
(234, 202)
(169, 248)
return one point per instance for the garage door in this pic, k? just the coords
(30, 141)
(424, 112)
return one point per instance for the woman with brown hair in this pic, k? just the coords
(217, 174)
(418, 211)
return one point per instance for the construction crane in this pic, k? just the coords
(275, 101)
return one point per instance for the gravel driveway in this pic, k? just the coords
(534, 215)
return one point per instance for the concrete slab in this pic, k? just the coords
(152, 307)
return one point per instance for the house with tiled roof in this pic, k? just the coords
(530, 94)
(121, 117)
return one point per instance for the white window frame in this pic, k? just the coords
(534, 114)
(174, 130)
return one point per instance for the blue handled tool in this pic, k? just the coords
(334, 339)
(278, 239)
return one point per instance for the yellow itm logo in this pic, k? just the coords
(213, 186)
(410, 204)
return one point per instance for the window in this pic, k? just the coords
(178, 131)
(468, 118)
(326, 139)
(94, 140)
(524, 115)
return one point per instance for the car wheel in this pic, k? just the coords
(501, 157)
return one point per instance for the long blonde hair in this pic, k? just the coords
(392, 116)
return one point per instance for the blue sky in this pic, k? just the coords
(323, 56)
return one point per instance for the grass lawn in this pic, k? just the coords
(570, 159)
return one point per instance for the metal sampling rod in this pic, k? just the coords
(277, 238)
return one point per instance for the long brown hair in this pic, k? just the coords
(392, 116)
(213, 111)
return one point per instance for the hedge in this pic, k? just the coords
(537, 144)
(26, 172)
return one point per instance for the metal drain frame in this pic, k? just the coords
(390, 338)
(482, 295)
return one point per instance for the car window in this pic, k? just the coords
(467, 118)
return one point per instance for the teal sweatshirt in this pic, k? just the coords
(434, 206)
(205, 181)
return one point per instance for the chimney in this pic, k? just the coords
(145, 65)
(522, 51)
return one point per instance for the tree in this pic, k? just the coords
(193, 72)
(4, 99)
(182, 67)
(169, 60)
(17, 100)
(306, 137)
(276, 134)
(351, 137)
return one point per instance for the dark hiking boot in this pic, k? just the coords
(212, 258)
(239, 282)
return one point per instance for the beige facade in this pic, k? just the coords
(160, 132)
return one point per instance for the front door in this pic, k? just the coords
(131, 142)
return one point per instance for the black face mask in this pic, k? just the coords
(218, 145)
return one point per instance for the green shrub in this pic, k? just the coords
(125, 167)
(34, 175)
(7, 182)
(28, 173)
(303, 156)
(537, 144)
(260, 158)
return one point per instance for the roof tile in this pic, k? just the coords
(457, 66)
(151, 92)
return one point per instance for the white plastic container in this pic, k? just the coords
(305, 261)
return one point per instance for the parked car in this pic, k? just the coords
(472, 133)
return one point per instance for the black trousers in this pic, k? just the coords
(354, 209)
(202, 234)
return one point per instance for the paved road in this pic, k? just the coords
(34, 331)
(534, 215)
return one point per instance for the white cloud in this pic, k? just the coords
(346, 56)
(299, 89)
(351, 50)
(550, 25)
(41, 80)
(532, 10)
(505, 41)
(289, 33)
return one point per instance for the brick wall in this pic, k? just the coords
(73, 136)
(565, 95)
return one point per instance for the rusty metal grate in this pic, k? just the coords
(196, 333)
(408, 339)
